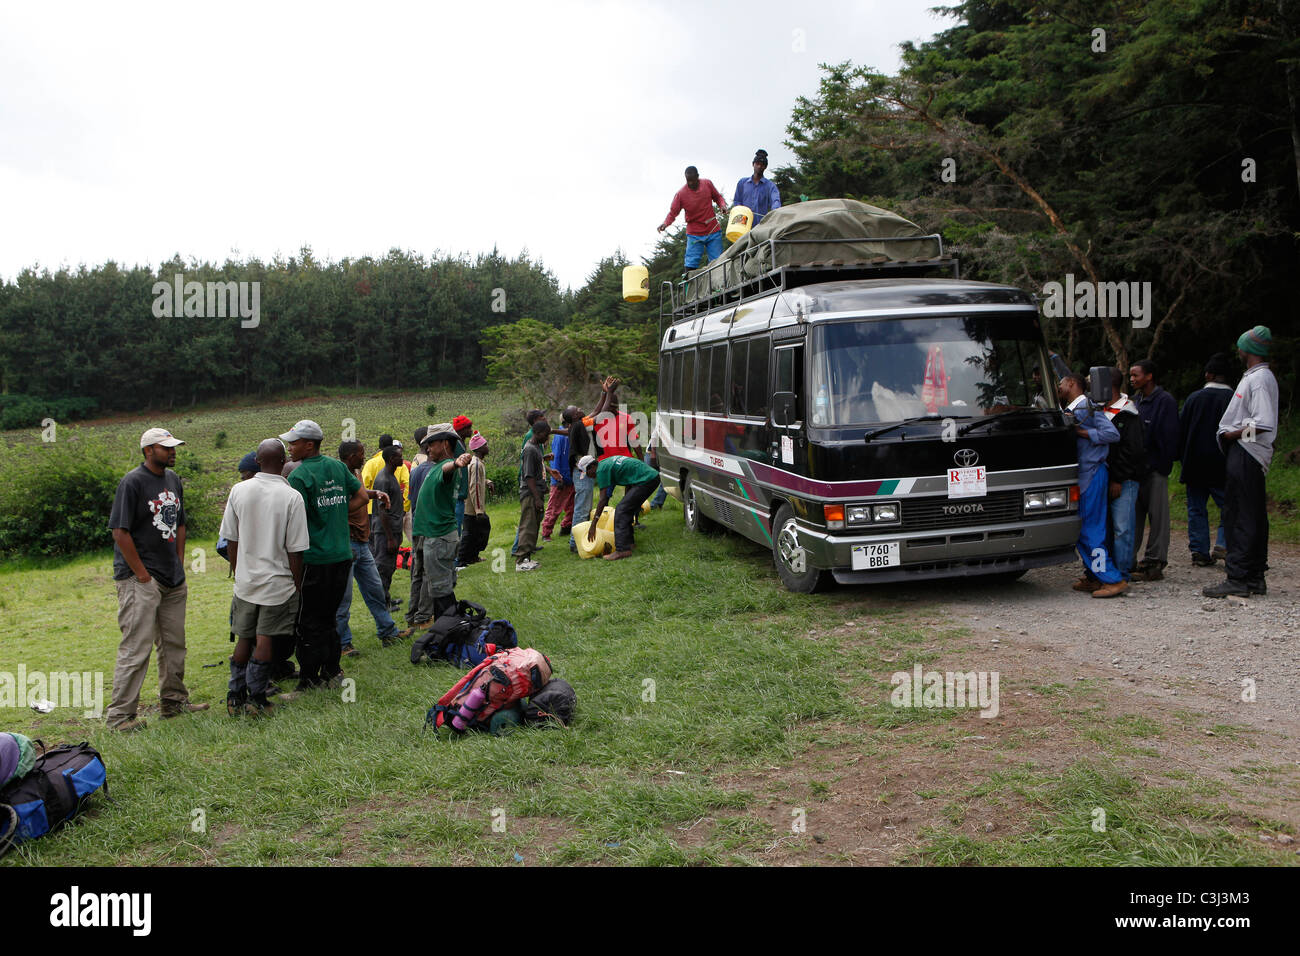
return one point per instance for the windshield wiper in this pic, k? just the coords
(993, 418)
(928, 417)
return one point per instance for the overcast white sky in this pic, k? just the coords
(135, 131)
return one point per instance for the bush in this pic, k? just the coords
(505, 478)
(55, 499)
(27, 411)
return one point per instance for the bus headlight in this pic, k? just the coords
(1051, 499)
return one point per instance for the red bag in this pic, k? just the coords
(502, 679)
(404, 558)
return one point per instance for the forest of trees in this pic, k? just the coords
(1116, 141)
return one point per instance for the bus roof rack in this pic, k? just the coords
(734, 280)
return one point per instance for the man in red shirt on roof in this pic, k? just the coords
(703, 234)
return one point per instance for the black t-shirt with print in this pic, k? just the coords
(151, 507)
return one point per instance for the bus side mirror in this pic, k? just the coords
(783, 409)
(1099, 385)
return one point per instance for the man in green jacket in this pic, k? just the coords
(641, 481)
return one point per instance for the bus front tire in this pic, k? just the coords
(797, 574)
(695, 521)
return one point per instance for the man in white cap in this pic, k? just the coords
(328, 489)
(148, 527)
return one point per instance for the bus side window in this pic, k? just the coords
(757, 381)
(789, 375)
(688, 380)
(718, 380)
(739, 362)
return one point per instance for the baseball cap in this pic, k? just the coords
(586, 462)
(304, 429)
(159, 436)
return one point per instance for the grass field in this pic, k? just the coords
(706, 693)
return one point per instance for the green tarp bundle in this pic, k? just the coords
(825, 219)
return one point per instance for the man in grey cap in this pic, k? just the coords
(148, 527)
(328, 489)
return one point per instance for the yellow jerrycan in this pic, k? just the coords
(603, 544)
(636, 283)
(739, 222)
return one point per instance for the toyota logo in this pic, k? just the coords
(966, 457)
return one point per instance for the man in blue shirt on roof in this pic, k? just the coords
(1095, 433)
(756, 192)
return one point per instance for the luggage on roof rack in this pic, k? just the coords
(809, 242)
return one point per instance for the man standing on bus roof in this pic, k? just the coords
(756, 192)
(1095, 433)
(641, 481)
(703, 234)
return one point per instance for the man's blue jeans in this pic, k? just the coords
(372, 592)
(583, 488)
(1123, 521)
(661, 494)
(1198, 518)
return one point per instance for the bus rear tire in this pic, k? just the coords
(789, 556)
(695, 521)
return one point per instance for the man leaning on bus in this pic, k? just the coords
(1095, 432)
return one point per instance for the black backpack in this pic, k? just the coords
(51, 794)
(557, 701)
(455, 626)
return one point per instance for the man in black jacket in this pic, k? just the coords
(1159, 413)
(1126, 463)
(1204, 470)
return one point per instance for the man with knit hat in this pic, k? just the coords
(478, 527)
(435, 521)
(1246, 433)
(464, 429)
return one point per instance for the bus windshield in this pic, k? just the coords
(867, 372)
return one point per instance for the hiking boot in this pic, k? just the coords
(335, 682)
(235, 703)
(1219, 553)
(1111, 590)
(1149, 572)
(170, 710)
(397, 637)
(526, 565)
(1086, 584)
(1228, 588)
(349, 651)
(130, 727)
(259, 706)
(618, 555)
(1257, 586)
(1202, 560)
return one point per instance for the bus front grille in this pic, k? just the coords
(932, 514)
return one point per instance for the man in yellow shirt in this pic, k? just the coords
(375, 464)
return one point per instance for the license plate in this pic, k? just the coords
(871, 557)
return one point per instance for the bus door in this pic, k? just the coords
(789, 445)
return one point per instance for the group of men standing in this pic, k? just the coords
(301, 526)
(1223, 439)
